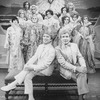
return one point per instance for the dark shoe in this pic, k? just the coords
(80, 97)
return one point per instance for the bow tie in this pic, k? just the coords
(67, 45)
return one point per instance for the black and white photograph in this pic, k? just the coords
(49, 50)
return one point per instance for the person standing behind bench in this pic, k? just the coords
(72, 64)
(39, 64)
(12, 45)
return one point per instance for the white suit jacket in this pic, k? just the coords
(76, 56)
(43, 58)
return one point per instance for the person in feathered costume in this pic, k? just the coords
(54, 5)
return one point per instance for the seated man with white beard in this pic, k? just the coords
(39, 64)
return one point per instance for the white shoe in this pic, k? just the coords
(7, 88)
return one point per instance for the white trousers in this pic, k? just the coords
(26, 77)
(82, 84)
(81, 80)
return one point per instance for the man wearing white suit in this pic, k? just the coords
(39, 64)
(72, 64)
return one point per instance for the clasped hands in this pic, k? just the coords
(81, 69)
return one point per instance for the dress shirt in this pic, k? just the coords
(66, 50)
(45, 46)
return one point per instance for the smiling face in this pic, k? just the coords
(85, 19)
(33, 9)
(70, 6)
(65, 38)
(26, 5)
(15, 22)
(34, 19)
(64, 10)
(46, 39)
(66, 20)
(22, 14)
(49, 15)
(75, 17)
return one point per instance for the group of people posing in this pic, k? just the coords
(34, 40)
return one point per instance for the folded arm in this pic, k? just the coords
(45, 63)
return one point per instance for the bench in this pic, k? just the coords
(45, 86)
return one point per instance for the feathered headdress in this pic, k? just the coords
(55, 6)
(51, 31)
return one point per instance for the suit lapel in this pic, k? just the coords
(40, 51)
(44, 52)
(73, 54)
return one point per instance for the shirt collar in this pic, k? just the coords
(47, 45)
(66, 45)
